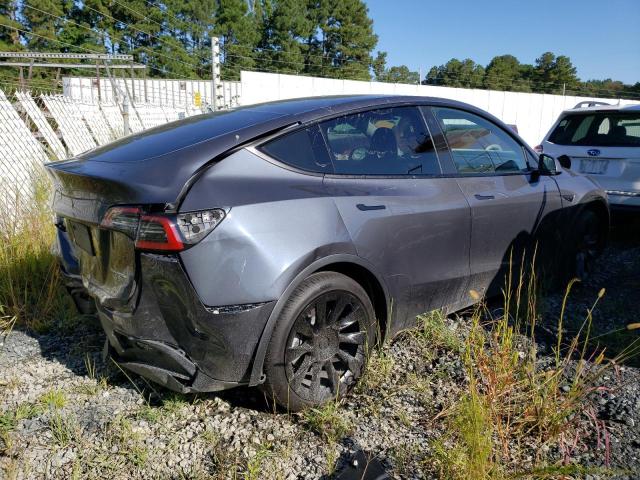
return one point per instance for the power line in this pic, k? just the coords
(151, 35)
(76, 46)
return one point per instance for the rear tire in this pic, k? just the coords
(321, 342)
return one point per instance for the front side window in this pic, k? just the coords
(478, 146)
(598, 129)
(303, 149)
(391, 141)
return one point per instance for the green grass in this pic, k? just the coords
(433, 333)
(9, 421)
(329, 421)
(64, 428)
(53, 399)
(515, 399)
(31, 294)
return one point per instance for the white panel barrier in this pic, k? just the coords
(37, 117)
(70, 122)
(532, 113)
(113, 116)
(97, 123)
(20, 156)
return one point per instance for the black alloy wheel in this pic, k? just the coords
(326, 347)
(321, 341)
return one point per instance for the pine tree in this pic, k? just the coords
(43, 25)
(9, 37)
(287, 26)
(505, 72)
(236, 28)
(191, 23)
(348, 40)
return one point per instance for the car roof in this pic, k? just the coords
(605, 108)
(243, 124)
(311, 108)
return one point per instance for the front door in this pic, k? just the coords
(510, 203)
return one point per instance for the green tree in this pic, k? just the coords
(235, 25)
(9, 37)
(379, 66)
(191, 23)
(456, 73)
(344, 42)
(505, 72)
(287, 28)
(41, 21)
(396, 74)
(554, 74)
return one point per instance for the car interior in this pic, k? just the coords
(381, 142)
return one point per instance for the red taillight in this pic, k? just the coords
(161, 232)
(158, 233)
(149, 232)
(538, 149)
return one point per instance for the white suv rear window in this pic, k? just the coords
(598, 129)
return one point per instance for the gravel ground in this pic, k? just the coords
(69, 415)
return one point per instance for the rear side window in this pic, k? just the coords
(304, 149)
(479, 146)
(391, 141)
(598, 129)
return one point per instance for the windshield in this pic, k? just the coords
(599, 129)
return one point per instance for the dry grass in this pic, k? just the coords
(31, 294)
(518, 405)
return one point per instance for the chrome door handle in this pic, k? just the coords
(484, 197)
(364, 208)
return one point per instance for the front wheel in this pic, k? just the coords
(320, 343)
(586, 244)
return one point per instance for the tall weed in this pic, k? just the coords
(520, 405)
(31, 294)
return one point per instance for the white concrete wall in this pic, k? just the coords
(532, 113)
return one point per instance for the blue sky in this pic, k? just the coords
(602, 37)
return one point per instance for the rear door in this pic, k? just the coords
(404, 218)
(510, 204)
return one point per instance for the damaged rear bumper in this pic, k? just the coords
(166, 334)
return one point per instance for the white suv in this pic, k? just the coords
(603, 142)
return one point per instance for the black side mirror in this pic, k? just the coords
(547, 165)
(565, 161)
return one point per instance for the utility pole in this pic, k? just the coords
(215, 71)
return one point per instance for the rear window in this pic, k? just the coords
(598, 129)
(173, 136)
(304, 149)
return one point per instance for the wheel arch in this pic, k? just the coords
(351, 266)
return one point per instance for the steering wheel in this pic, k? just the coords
(494, 147)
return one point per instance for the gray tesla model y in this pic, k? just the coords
(275, 244)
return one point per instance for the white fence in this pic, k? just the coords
(532, 113)
(186, 94)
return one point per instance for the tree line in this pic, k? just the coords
(550, 74)
(328, 38)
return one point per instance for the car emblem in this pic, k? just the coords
(594, 152)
